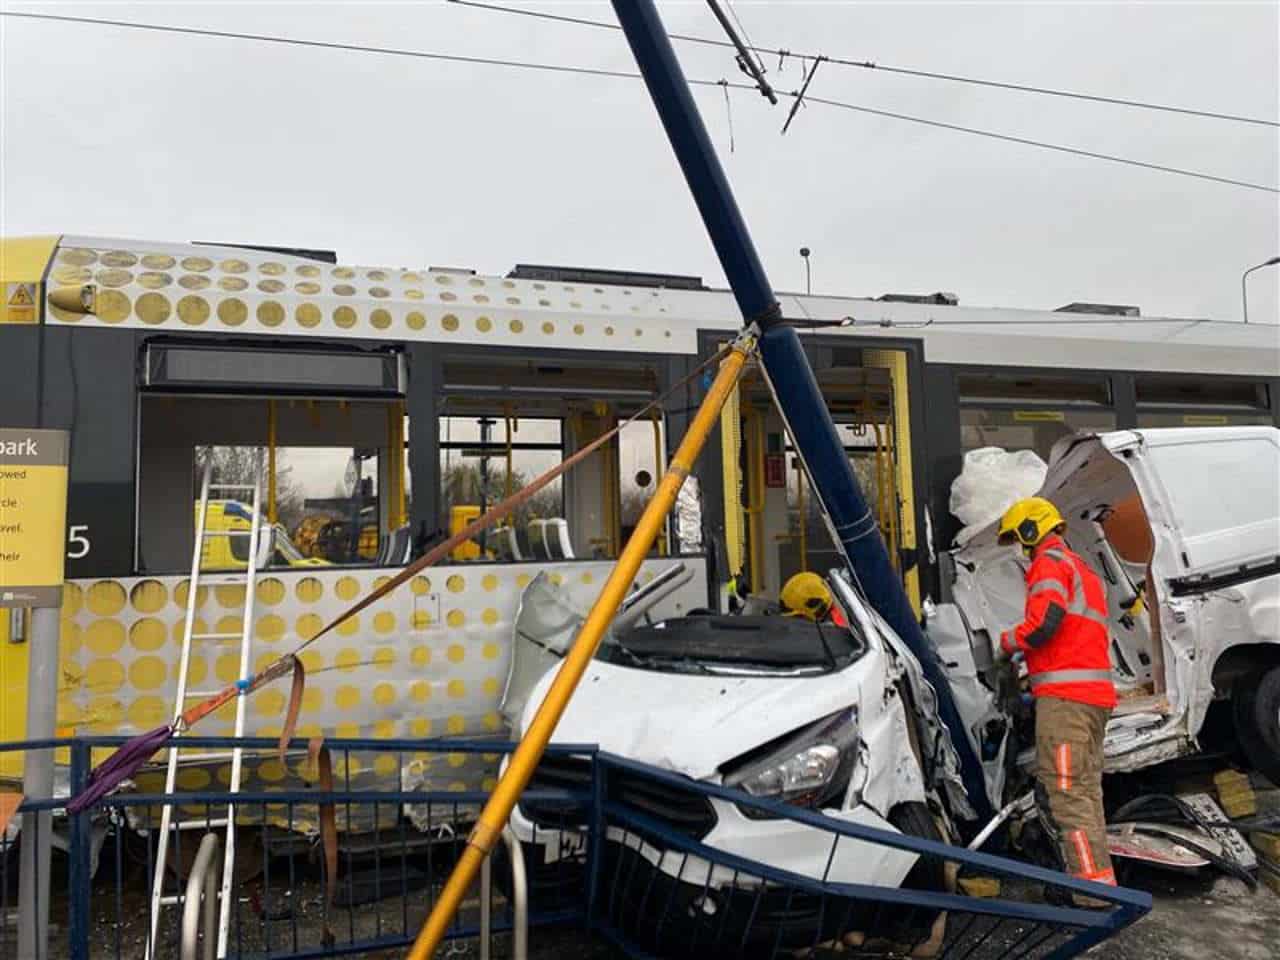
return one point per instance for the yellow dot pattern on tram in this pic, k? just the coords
(270, 628)
(161, 290)
(270, 591)
(148, 634)
(104, 637)
(428, 660)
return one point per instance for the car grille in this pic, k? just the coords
(559, 773)
(685, 811)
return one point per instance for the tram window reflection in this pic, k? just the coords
(326, 498)
(1033, 429)
(483, 460)
(640, 462)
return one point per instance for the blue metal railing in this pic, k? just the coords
(817, 911)
(604, 857)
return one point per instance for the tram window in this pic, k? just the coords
(331, 499)
(531, 415)
(474, 475)
(1203, 418)
(1035, 429)
(872, 457)
(1195, 393)
(639, 469)
(1035, 388)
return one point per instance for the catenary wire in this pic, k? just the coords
(626, 75)
(884, 68)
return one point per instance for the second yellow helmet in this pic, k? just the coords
(806, 595)
(1029, 521)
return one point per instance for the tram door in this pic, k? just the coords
(783, 530)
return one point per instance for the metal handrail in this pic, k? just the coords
(203, 873)
(519, 898)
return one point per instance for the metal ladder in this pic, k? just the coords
(184, 695)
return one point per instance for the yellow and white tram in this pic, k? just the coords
(395, 403)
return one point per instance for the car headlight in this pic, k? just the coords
(808, 767)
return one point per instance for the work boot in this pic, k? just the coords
(1057, 896)
(1089, 903)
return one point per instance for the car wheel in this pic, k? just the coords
(915, 820)
(1256, 703)
(916, 925)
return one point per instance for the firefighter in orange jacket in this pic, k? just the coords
(1066, 641)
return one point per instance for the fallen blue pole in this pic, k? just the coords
(799, 399)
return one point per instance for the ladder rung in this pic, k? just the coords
(225, 580)
(202, 694)
(198, 824)
(217, 636)
(207, 755)
(231, 486)
(172, 899)
(227, 533)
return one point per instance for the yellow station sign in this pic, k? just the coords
(33, 516)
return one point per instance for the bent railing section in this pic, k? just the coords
(608, 844)
(661, 891)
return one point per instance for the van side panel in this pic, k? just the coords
(1223, 495)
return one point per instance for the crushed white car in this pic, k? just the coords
(823, 716)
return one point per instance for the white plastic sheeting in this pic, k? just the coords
(990, 482)
(688, 514)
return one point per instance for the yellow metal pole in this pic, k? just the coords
(525, 759)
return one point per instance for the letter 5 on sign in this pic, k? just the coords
(33, 516)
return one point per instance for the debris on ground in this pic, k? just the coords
(1235, 793)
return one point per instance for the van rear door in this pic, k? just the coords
(1214, 490)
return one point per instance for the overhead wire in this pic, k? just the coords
(782, 52)
(627, 75)
(1042, 144)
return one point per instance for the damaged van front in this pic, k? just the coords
(819, 715)
(1183, 526)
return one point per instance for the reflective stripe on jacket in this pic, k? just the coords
(1064, 631)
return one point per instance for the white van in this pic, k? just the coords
(1183, 526)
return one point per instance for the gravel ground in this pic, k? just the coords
(1198, 920)
(1191, 919)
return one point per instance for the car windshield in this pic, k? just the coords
(740, 645)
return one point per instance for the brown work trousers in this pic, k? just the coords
(1069, 783)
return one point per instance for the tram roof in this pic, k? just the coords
(246, 290)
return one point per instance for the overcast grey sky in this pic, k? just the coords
(413, 162)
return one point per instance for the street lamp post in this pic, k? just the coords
(1244, 292)
(808, 286)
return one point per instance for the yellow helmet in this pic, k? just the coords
(1029, 521)
(806, 595)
